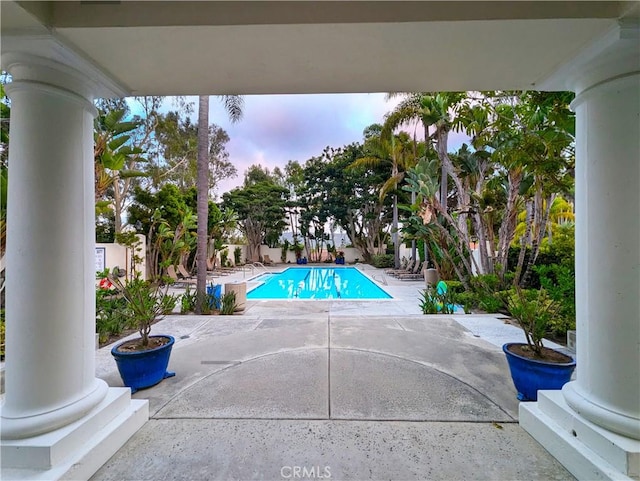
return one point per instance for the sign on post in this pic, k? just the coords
(100, 258)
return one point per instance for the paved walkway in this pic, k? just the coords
(333, 389)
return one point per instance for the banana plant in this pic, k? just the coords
(115, 158)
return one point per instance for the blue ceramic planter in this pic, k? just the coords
(143, 369)
(531, 375)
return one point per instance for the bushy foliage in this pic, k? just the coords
(559, 282)
(229, 305)
(468, 300)
(112, 317)
(188, 301)
(145, 303)
(437, 302)
(455, 287)
(382, 260)
(534, 310)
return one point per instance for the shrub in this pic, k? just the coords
(237, 254)
(468, 300)
(456, 287)
(533, 309)
(559, 281)
(485, 283)
(228, 303)
(428, 303)
(434, 302)
(490, 303)
(382, 260)
(112, 315)
(188, 301)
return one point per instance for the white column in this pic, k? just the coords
(593, 426)
(50, 301)
(607, 389)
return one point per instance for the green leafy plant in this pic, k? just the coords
(435, 302)
(490, 302)
(382, 260)
(428, 303)
(534, 310)
(468, 300)
(188, 301)
(559, 280)
(228, 304)
(283, 250)
(237, 254)
(297, 248)
(224, 257)
(112, 314)
(146, 303)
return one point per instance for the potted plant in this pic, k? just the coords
(533, 366)
(297, 248)
(142, 362)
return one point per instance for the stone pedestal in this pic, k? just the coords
(240, 289)
(431, 277)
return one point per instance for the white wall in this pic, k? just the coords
(117, 255)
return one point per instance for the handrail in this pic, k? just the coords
(383, 280)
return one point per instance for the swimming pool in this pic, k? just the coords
(316, 283)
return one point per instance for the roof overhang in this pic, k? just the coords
(238, 47)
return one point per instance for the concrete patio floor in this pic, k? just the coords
(332, 389)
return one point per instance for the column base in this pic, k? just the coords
(78, 450)
(585, 449)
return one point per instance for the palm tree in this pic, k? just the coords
(382, 146)
(233, 105)
(433, 110)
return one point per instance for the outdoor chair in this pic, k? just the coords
(183, 272)
(266, 260)
(413, 269)
(404, 270)
(213, 271)
(416, 275)
(171, 272)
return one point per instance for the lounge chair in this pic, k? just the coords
(183, 272)
(415, 275)
(415, 268)
(407, 269)
(171, 272)
(266, 260)
(214, 271)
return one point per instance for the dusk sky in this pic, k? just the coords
(277, 128)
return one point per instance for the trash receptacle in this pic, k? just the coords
(240, 288)
(431, 277)
(214, 291)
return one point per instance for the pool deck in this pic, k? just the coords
(332, 389)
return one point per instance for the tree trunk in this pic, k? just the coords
(394, 234)
(117, 204)
(203, 200)
(508, 225)
(538, 235)
(524, 242)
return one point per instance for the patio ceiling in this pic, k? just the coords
(168, 48)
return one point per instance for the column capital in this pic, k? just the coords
(43, 58)
(614, 55)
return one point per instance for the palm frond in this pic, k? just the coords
(233, 104)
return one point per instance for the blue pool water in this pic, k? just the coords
(317, 283)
